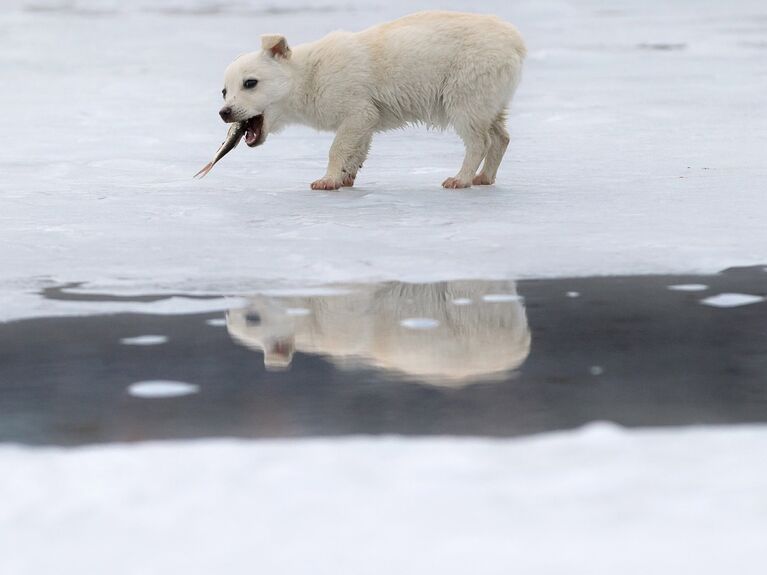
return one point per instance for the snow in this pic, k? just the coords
(144, 340)
(688, 287)
(626, 157)
(419, 323)
(600, 500)
(501, 297)
(297, 311)
(732, 300)
(161, 388)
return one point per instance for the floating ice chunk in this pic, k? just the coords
(731, 299)
(419, 323)
(573, 294)
(596, 370)
(160, 388)
(688, 287)
(217, 322)
(462, 301)
(144, 340)
(501, 297)
(298, 311)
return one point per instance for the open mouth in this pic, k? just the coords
(254, 131)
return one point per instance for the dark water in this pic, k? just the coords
(398, 358)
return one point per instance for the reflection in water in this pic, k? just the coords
(449, 333)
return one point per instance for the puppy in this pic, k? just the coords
(442, 69)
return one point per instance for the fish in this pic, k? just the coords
(233, 137)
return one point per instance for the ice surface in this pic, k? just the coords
(732, 300)
(688, 287)
(602, 500)
(297, 311)
(419, 323)
(625, 158)
(160, 388)
(144, 340)
(501, 297)
(462, 301)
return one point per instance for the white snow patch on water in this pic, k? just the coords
(144, 340)
(732, 300)
(573, 294)
(462, 301)
(501, 297)
(419, 323)
(217, 322)
(596, 370)
(298, 311)
(600, 500)
(688, 287)
(161, 388)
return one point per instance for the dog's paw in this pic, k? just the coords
(482, 180)
(454, 183)
(348, 181)
(327, 184)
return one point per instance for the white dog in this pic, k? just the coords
(368, 326)
(435, 68)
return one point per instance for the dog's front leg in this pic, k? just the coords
(348, 150)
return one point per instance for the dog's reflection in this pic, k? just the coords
(449, 333)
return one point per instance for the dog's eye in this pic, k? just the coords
(249, 83)
(223, 92)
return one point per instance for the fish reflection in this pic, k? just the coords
(448, 333)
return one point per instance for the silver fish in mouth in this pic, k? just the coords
(233, 137)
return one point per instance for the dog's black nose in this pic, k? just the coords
(226, 114)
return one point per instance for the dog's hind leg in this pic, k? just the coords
(477, 140)
(499, 141)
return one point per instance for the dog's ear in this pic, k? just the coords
(276, 45)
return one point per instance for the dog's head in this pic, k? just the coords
(255, 86)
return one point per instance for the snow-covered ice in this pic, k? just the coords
(419, 323)
(688, 287)
(144, 340)
(732, 300)
(625, 158)
(501, 297)
(161, 388)
(601, 500)
(297, 311)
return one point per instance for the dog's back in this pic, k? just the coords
(427, 65)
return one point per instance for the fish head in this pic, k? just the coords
(256, 88)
